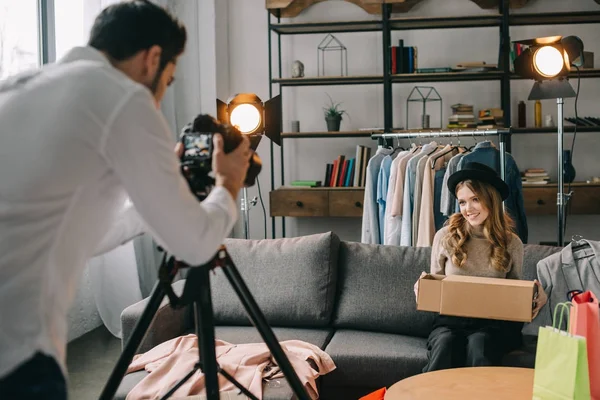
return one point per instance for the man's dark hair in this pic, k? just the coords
(123, 29)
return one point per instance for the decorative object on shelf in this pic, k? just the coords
(333, 116)
(538, 114)
(331, 43)
(487, 4)
(423, 94)
(292, 8)
(522, 116)
(297, 69)
(549, 121)
(568, 168)
(295, 126)
(584, 121)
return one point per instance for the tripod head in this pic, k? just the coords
(170, 266)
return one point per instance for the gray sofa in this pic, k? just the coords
(353, 300)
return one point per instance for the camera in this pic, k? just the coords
(196, 160)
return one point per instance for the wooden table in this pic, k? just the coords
(488, 383)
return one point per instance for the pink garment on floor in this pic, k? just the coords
(249, 364)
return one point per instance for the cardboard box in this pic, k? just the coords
(470, 296)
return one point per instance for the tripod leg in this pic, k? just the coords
(133, 343)
(205, 331)
(260, 322)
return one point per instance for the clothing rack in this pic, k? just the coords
(439, 133)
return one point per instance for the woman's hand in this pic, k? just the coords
(540, 299)
(416, 287)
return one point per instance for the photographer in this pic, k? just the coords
(78, 138)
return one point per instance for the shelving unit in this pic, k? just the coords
(503, 20)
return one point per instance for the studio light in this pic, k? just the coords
(548, 61)
(253, 118)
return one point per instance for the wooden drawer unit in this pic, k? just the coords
(541, 200)
(317, 202)
(299, 203)
(346, 203)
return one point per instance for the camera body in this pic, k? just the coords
(196, 160)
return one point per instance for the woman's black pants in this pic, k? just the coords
(470, 342)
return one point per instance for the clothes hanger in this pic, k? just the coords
(578, 243)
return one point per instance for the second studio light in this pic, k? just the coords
(252, 116)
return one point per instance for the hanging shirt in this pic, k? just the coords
(77, 138)
(486, 153)
(406, 238)
(370, 221)
(391, 229)
(426, 223)
(448, 200)
(382, 189)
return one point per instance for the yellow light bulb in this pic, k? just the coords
(548, 61)
(246, 117)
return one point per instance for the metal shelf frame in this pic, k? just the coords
(502, 19)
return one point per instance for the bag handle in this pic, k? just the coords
(563, 306)
(572, 293)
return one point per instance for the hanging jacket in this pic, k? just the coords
(569, 270)
(370, 221)
(486, 153)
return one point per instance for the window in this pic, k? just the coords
(19, 36)
(69, 25)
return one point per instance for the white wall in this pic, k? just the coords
(242, 65)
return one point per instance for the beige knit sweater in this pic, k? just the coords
(478, 257)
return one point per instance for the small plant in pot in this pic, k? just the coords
(333, 115)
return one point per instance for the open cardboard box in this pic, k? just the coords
(469, 296)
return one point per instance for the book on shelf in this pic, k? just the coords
(404, 59)
(328, 171)
(306, 183)
(357, 166)
(433, 70)
(342, 178)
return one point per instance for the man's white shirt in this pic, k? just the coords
(77, 138)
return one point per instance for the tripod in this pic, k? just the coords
(197, 292)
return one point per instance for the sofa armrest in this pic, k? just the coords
(168, 323)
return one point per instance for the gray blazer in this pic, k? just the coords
(566, 271)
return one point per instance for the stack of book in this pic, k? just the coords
(404, 58)
(535, 176)
(490, 118)
(462, 117)
(348, 172)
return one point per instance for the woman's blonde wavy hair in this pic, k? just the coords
(497, 228)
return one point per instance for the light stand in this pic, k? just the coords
(245, 208)
(548, 61)
(561, 198)
(557, 89)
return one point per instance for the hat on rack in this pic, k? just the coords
(478, 172)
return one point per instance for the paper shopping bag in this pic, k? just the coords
(376, 395)
(585, 321)
(561, 365)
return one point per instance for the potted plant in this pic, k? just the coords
(333, 115)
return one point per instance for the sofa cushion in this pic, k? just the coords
(375, 286)
(249, 334)
(532, 255)
(293, 280)
(374, 360)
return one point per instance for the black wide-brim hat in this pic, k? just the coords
(478, 172)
